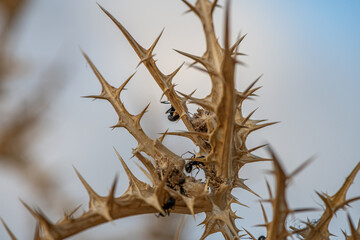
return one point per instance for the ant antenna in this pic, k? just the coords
(188, 152)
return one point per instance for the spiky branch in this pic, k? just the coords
(220, 131)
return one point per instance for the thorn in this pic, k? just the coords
(170, 77)
(91, 192)
(269, 189)
(349, 180)
(354, 233)
(192, 93)
(301, 167)
(240, 183)
(249, 116)
(118, 125)
(237, 43)
(95, 97)
(347, 202)
(11, 234)
(112, 190)
(252, 237)
(192, 8)
(252, 84)
(253, 158)
(325, 201)
(344, 233)
(251, 94)
(145, 173)
(163, 136)
(278, 167)
(240, 54)
(264, 213)
(42, 219)
(201, 102)
(213, 5)
(236, 201)
(134, 182)
(256, 148)
(104, 84)
(126, 168)
(140, 115)
(258, 127)
(149, 166)
(187, 11)
(29, 209)
(304, 210)
(241, 63)
(140, 51)
(191, 64)
(122, 87)
(197, 59)
(151, 49)
(260, 225)
(73, 211)
(190, 204)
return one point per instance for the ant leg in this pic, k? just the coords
(197, 172)
(193, 155)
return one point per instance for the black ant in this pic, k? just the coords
(167, 206)
(176, 181)
(261, 238)
(189, 166)
(173, 115)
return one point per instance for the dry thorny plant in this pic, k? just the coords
(219, 130)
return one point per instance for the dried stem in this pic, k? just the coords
(220, 131)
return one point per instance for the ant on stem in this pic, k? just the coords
(170, 203)
(196, 164)
(173, 115)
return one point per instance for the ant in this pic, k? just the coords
(175, 181)
(167, 206)
(189, 166)
(173, 116)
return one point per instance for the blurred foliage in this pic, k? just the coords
(22, 125)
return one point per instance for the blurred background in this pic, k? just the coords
(308, 52)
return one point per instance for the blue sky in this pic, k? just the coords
(308, 51)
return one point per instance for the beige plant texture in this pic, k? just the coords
(219, 130)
